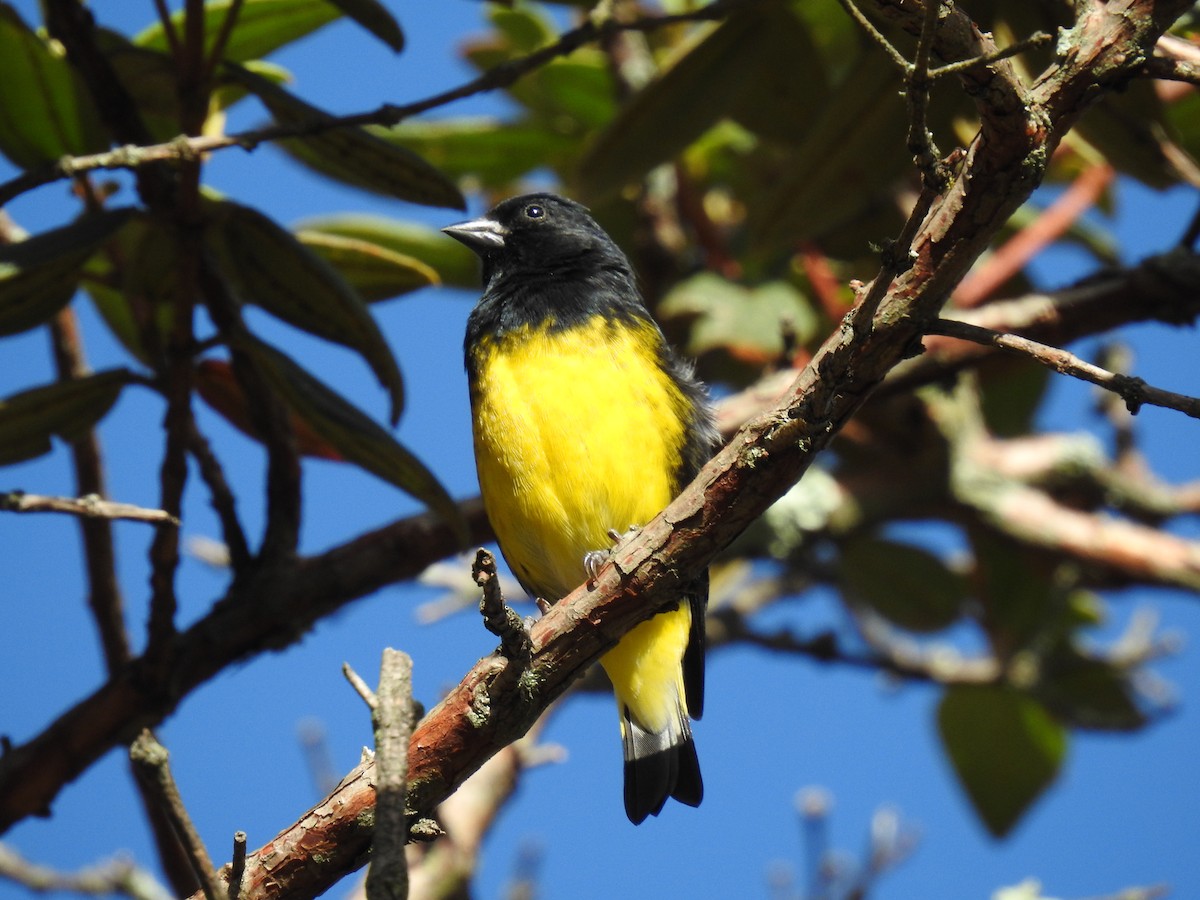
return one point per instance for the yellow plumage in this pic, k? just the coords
(553, 416)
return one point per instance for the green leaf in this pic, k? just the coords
(46, 111)
(268, 267)
(571, 95)
(906, 585)
(135, 287)
(1128, 129)
(1089, 693)
(67, 409)
(373, 16)
(489, 151)
(1005, 747)
(455, 265)
(263, 26)
(355, 436)
(151, 79)
(676, 108)
(355, 156)
(786, 84)
(735, 328)
(841, 147)
(1019, 596)
(375, 272)
(1010, 393)
(38, 276)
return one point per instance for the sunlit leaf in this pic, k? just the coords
(908, 586)
(268, 267)
(455, 265)
(38, 276)
(744, 327)
(263, 26)
(571, 94)
(46, 111)
(374, 16)
(1005, 748)
(374, 271)
(355, 156)
(354, 436)
(65, 409)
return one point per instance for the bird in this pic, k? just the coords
(585, 423)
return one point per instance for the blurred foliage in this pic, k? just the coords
(735, 161)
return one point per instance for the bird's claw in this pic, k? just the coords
(594, 560)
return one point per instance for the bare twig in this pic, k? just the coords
(920, 141)
(223, 501)
(892, 657)
(116, 876)
(152, 765)
(500, 618)
(1037, 39)
(393, 720)
(360, 687)
(237, 867)
(89, 506)
(104, 594)
(1133, 391)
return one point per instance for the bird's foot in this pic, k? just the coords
(594, 560)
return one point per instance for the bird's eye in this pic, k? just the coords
(533, 211)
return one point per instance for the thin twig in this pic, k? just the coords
(115, 876)
(164, 17)
(221, 495)
(394, 721)
(360, 686)
(1133, 391)
(237, 867)
(869, 27)
(1037, 39)
(152, 765)
(89, 506)
(498, 617)
(727, 626)
(218, 49)
(920, 141)
(138, 154)
(1172, 70)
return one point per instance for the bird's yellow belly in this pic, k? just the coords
(576, 432)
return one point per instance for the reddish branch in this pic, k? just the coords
(487, 710)
(1047, 228)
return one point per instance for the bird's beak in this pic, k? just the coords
(481, 235)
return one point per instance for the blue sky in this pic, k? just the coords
(1126, 810)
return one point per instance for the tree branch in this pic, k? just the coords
(137, 154)
(1133, 391)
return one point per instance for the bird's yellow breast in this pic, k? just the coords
(577, 431)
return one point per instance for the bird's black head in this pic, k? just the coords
(539, 235)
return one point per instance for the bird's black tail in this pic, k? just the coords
(658, 765)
